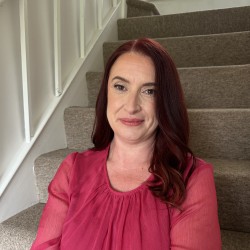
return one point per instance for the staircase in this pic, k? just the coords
(212, 52)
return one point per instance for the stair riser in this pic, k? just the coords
(94, 80)
(220, 133)
(43, 178)
(78, 127)
(140, 8)
(232, 179)
(186, 24)
(199, 51)
(233, 194)
(215, 87)
(45, 168)
(234, 240)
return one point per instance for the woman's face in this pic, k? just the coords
(131, 98)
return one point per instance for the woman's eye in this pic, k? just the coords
(119, 87)
(150, 92)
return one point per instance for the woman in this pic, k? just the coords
(140, 187)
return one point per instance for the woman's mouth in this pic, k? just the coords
(131, 122)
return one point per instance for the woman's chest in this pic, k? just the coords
(109, 221)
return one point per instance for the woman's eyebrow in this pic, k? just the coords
(127, 81)
(120, 78)
(149, 84)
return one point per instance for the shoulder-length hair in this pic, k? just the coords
(171, 152)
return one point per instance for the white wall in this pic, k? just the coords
(21, 191)
(70, 35)
(11, 111)
(182, 6)
(40, 30)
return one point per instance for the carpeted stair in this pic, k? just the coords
(211, 50)
(202, 50)
(186, 24)
(141, 8)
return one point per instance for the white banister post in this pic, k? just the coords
(57, 47)
(24, 39)
(99, 13)
(82, 28)
(124, 8)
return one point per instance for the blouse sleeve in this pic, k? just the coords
(54, 213)
(196, 225)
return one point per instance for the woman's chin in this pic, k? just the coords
(133, 138)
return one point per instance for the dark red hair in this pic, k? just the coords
(171, 150)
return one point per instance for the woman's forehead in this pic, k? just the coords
(133, 63)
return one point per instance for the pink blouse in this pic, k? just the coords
(84, 212)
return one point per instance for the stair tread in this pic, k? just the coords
(56, 154)
(192, 23)
(230, 167)
(201, 50)
(19, 231)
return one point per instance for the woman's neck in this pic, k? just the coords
(131, 156)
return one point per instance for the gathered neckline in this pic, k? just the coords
(142, 186)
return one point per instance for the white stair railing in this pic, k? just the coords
(24, 39)
(60, 86)
(84, 50)
(57, 47)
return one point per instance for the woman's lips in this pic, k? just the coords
(131, 122)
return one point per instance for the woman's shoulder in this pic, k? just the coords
(202, 165)
(89, 161)
(198, 213)
(197, 170)
(91, 155)
(78, 161)
(80, 166)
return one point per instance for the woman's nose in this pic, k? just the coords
(133, 104)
